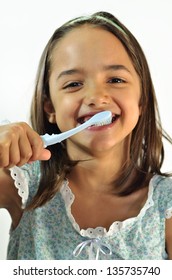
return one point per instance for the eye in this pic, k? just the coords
(116, 81)
(72, 85)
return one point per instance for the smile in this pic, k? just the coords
(83, 119)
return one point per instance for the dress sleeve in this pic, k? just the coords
(168, 194)
(26, 180)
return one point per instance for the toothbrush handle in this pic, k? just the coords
(57, 138)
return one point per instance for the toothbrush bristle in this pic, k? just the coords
(106, 122)
(101, 124)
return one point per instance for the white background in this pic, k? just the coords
(26, 26)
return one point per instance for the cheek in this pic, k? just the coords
(62, 103)
(65, 110)
(132, 116)
(130, 110)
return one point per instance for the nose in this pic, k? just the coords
(97, 97)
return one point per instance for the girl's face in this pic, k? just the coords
(91, 72)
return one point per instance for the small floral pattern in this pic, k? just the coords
(51, 232)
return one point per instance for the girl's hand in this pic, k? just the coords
(20, 144)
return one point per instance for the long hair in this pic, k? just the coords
(146, 150)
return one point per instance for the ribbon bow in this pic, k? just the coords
(94, 243)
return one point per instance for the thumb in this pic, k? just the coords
(45, 155)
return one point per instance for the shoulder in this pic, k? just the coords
(162, 185)
(162, 180)
(161, 188)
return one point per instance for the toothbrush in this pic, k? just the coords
(98, 119)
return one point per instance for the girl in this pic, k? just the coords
(101, 194)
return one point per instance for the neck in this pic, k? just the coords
(99, 172)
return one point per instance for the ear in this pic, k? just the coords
(49, 110)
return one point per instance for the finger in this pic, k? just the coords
(25, 150)
(14, 153)
(4, 154)
(30, 143)
(37, 145)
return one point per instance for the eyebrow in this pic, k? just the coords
(116, 67)
(69, 72)
(106, 68)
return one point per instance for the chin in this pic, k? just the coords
(103, 147)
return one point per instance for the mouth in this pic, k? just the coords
(85, 118)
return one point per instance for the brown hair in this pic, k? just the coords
(146, 151)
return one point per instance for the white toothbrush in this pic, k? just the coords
(99, 119)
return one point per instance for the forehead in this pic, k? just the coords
(87, 34)
(89, 44)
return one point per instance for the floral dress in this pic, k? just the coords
(51, 232)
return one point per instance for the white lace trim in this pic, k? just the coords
(168, 213)
(68, 197)
(99, 232)
(21, 183)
